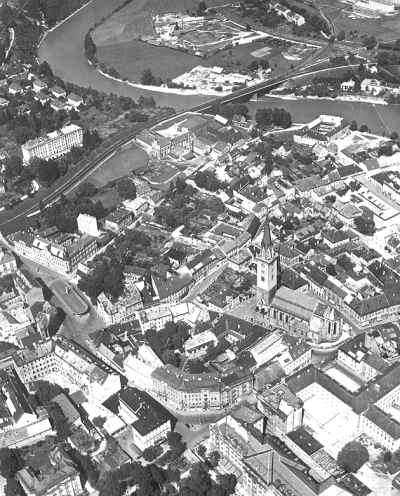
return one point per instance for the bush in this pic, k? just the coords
(352, 456)
(152, 452)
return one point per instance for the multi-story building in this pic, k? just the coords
(58, 255)
(87, 224)
(21, 421)
(149, 421)
(282, 410)
(323, 130)
(117, 220)
(54, 144)
(186, 391)
(123, 309)
(265, 464)
(50, 474)
(66, 363)
(8, 264)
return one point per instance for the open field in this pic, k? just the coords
(130, 59)
(119, 42)
(340, 12)
(121, 164)
(134, 20)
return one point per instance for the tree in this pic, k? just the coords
(13, 488)
(46, 171)
(59, 421)
(90, 47)
(126, 188)
(99, 421)
(109, 484)
(13, 166)
(353, 126)
(330, 269)
(201, 450)
(227, 482)
(23, 133)
(341, 35)
(352, 456)
(365, 224)
(46, 391)
(10, 462)
(202, 7)
(148, 78)
(152, 452)
(213, 459)
(264, 117)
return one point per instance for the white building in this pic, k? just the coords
(21, 423)
(371, 86)
(67, 364)
(8, 264)
(87, 224)
(138, 368)
(197, 345)
(63, 258)
(54, 144)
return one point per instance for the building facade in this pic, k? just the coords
(54, 144)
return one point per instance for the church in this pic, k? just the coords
(297, 313)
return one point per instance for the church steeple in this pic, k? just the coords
(267, 268)
(266, 242)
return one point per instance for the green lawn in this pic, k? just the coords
(133, 57)
(385, 28)
(121, 164)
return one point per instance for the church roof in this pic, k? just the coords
(296, 304)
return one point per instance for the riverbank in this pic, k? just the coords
(344, 98)
(63, 49)
(161, 89)
(379, 118)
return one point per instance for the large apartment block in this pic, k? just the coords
(54, 144)
(61, 254)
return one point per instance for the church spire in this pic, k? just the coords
(266, 242)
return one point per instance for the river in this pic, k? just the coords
(62, 48)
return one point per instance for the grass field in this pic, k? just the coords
(135, 19)
(131, 58)
(123, 163)
(385, 28)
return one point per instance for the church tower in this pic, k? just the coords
(267, 269)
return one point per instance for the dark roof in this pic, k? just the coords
(292, 280)
(384, 421)
(266, 240)
(150, 414)
(305, 441)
